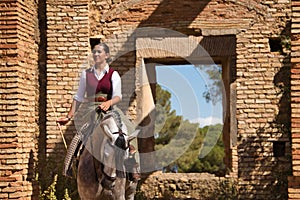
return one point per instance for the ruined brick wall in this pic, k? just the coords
(18, 79)
(260, 74)
(262, 110)
(67, 53)
(294, 179)
(187, 186)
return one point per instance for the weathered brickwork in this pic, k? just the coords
(238, 34)
(67, 53)
(294, 180)
(18, 132)
(187, 186)
(261, 109)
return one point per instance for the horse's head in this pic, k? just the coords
(115, 148)
(117, 131)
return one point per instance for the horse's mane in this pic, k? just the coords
(116, 115)
(120, 142)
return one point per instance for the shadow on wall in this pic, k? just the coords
(282, 82)
(48, 167)
(165, 16)
(273, 156)
(53, 183)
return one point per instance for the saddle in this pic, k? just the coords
(76, 147)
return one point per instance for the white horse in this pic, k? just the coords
(101, 169)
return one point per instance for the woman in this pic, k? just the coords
(99, 83)
(102, 87)
(99, 89)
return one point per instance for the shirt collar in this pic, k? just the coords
(105, 70)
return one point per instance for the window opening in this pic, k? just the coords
(279, 149)
(93, 42)
(275, 45)
(189, 102)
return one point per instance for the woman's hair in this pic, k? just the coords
(106, 49)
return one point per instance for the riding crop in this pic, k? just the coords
(59, 127)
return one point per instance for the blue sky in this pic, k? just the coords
(186, 84)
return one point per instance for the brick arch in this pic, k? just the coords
(251, 5)
(136, 14)
(118, 8)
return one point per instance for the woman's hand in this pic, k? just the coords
(63, 121)
(105, 105)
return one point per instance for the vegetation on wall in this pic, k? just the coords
(53, 185)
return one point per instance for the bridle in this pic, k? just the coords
(120, 147)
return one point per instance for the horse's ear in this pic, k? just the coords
(107, 132)
(133, 135)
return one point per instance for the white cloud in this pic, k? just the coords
(207, 121)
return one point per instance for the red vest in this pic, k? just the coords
(95, 86)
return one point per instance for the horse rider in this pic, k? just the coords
(102, 86)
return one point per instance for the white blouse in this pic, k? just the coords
(115, 79)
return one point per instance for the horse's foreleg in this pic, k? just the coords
(130, 190)
(119, 189)
(87, 180)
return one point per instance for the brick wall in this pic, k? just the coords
(294, 180)
(262, 109)
(67, 54)
(260, 75)
(19, 132)
(187, 186)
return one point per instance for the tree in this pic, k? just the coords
(184, 139)
(212, 162)
(166, 121)
(214, 87)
